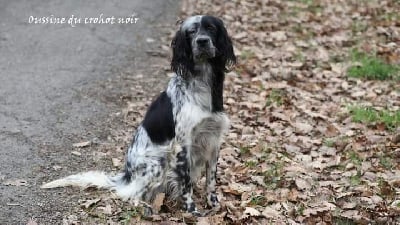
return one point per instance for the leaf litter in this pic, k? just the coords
(293, 155)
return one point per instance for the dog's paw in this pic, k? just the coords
(192, 209)
(212, 200)
(147, 211)
(197, 213)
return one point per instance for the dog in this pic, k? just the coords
(182, 130)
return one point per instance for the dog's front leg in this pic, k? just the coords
(182, 171)
(208, 141)
(211, 175)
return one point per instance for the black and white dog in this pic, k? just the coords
(182, 129)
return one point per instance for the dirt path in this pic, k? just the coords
(61, 85)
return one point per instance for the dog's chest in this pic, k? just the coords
(196, 107)
(192, 102)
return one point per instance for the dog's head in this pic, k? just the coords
(201, 39)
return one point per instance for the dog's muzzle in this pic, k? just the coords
(203, 48)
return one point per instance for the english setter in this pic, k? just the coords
(183, 128)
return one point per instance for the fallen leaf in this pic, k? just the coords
(57, 167)
(158, 202)
(237, 188)
(319, 208)
(107, 209)
(270, 213)
(76, 153)
(292, 149)
(31, 222)
(189, 218)
(303, 128)
(327, 151)
(331, 131)
(82, 144)
(278, 35)
(158, 218)
(349, 205)
(249, 211)
(240, 35)
(302, 184)
(88, 203)
(116, 162)
(203, 221)
(351, 214)
(396, 138)
(16, 182)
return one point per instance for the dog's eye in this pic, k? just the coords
(211, 28)
(191, 31)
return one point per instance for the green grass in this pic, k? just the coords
(386, 162)
(372, 68)
(354, 158)
(250, 164)
(369, 115)
(259, 200)
(307, 2)
(356, 179)
(390, 16)
(298, 56)
(357, 161)
(128, 214)
(329, 142)
(343, 221)
(275, 96)
(359, 27)
(272, 177)
(300, 209)
(246, 55)
(244, 150)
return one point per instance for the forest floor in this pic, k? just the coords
(314, 103)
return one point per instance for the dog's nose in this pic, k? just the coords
(202, 41)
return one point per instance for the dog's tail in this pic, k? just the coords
(125, 190)
(124, 187)
(88, 179)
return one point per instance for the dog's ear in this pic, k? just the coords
(225, 47)
(182, 59)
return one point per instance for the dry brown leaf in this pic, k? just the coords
(249, 211)
(319, 208)
(327, 151)
(237, 188)
(278, 35)
(349, 205)
(107, 209)
(396, 138)
(331, 131)
(203, 221)
(302, 184)
(270, 213)
(303, 128)
(116, 162)
(292, 149)
(158, 202)
(352, 214)
(88, 203)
